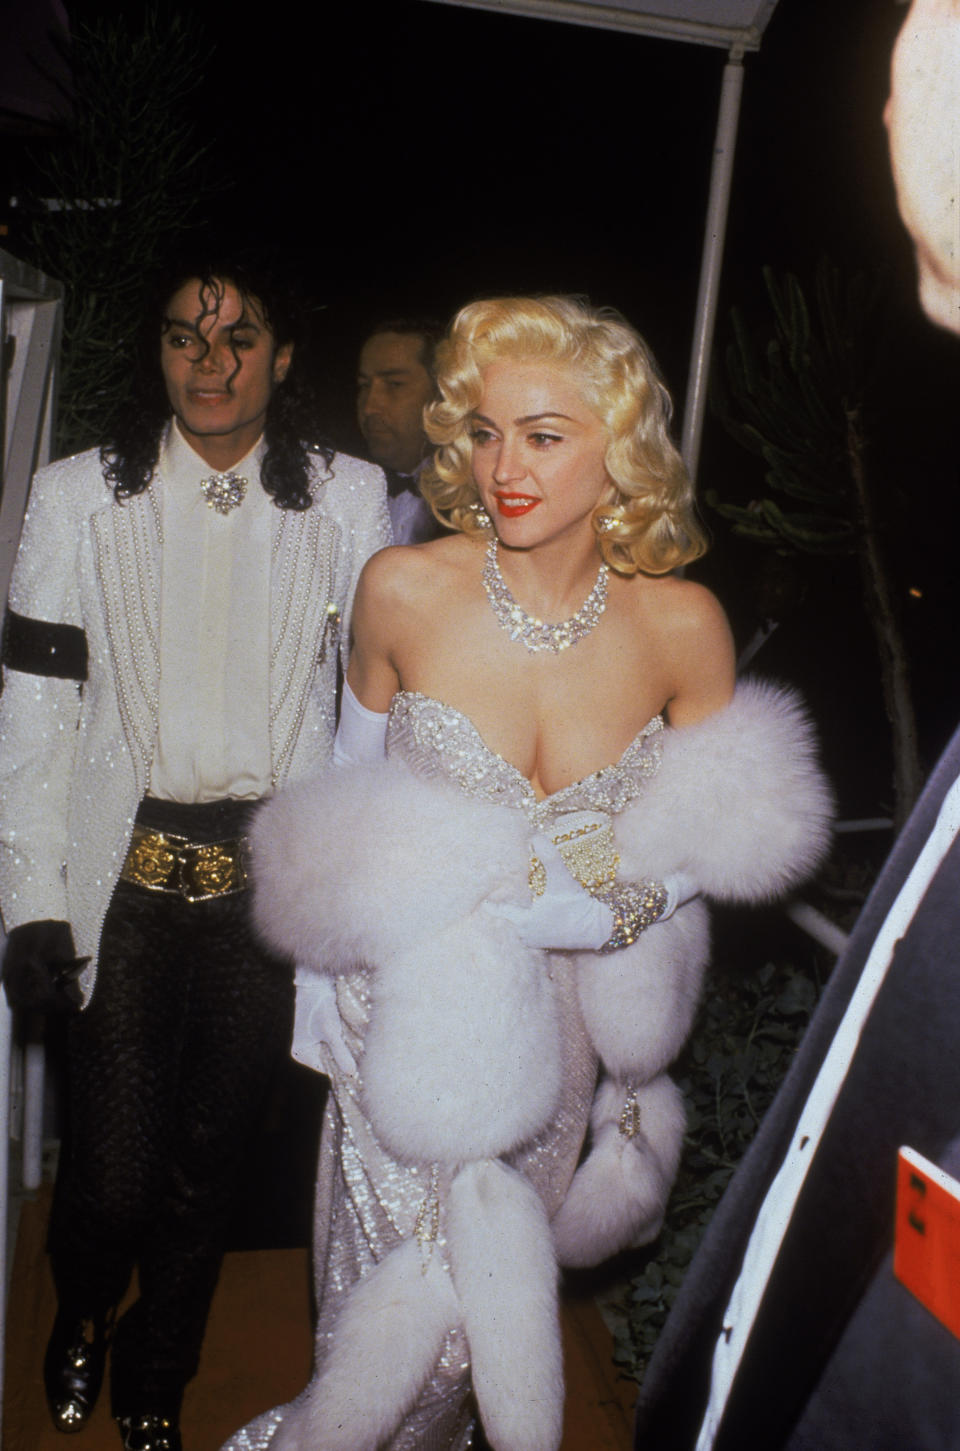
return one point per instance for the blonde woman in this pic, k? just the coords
(495, 902)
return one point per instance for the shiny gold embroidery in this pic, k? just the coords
(150, 861)
(214, 869)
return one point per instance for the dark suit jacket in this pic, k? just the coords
(841, 1358)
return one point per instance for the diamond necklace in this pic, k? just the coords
(530, 631)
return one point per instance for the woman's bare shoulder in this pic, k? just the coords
(400, 581)
(405, 597)
(692, 636)
(384, 568)
(680, 606)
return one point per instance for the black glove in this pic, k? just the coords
(41, 968)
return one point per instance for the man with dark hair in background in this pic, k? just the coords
(179, 602)
(394, 384)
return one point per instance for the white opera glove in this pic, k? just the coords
(564, 916)
(360, 740)
(316, 1021)
(361, 734)
(579, 905)
(680, 890)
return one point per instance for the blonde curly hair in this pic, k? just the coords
(651, 525)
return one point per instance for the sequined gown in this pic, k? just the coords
(367, 1202)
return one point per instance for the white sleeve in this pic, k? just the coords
(39, 714)
(361, 735)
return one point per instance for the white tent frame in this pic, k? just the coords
(734, 25)
(724, 23)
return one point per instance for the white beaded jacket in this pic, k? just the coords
(75, 756)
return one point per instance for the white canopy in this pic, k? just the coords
(736, 26)
(726, 23)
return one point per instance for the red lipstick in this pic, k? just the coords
(512, 506)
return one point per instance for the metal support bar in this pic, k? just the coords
(865, 823)
(817, 926)
(721, 177)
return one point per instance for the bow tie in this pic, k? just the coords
(400, 483)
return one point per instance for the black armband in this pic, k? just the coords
(37, 647)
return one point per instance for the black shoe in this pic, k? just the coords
(150, 1431)
(73, 1368)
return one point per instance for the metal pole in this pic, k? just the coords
(817, 926)
(718, 205)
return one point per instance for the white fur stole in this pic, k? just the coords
(375, 867)
(740, 806)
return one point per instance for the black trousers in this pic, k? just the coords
(167, 1072)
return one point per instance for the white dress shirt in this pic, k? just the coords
(214, 738)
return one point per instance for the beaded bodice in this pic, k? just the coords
(437, 740)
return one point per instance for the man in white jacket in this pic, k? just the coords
(170, 659)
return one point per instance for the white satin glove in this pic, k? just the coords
(679, 889)
(361, 733)
(360, 740)
(564, 917)
(316, 1021)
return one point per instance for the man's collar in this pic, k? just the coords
(179, 459)
(399, 482)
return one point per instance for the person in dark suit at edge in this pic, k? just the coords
(790, 1331)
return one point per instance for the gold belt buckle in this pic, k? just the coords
(212, 870)
(166, 863)
(153, 860)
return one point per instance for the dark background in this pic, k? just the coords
(408, 156)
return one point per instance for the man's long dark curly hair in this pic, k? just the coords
(290, 428)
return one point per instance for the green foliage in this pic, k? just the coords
(792, 403)
(801, 406)
(124, 182)
(747, 1032)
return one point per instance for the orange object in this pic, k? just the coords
(926, 1256)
